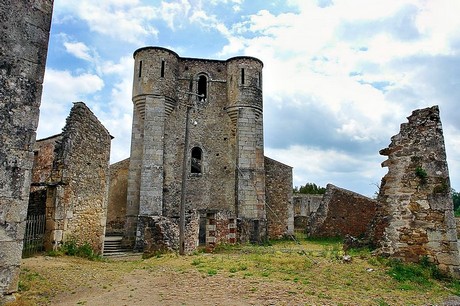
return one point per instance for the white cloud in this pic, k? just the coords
(61, 88)
(79, 50)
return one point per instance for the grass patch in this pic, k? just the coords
(310, 269)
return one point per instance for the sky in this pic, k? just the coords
(339, 76)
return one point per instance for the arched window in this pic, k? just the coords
(196, 161)
(202, 87)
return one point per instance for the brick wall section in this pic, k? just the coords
(278, 191)
(116, 208)
(77, 195)
(342, 213)
(23, 47)
(416, 216)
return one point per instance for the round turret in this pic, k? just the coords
(244, 75)
(245, 81)
(155, 73)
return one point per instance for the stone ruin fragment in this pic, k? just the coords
(415, 216)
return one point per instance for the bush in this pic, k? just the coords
(71, 248)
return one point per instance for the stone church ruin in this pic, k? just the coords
(210, 112)
(214, 108)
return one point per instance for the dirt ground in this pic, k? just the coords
(175, 280)
(152, 286)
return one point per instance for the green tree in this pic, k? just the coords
(310, 188)
(456, 199)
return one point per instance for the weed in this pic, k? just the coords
(212, 272)
(196, 262)
(410, 273)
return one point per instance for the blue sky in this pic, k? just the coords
(340, 76)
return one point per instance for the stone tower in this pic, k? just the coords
(23, 47)
(225, 158)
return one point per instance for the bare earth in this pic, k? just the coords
(156, 286)
(175, 280)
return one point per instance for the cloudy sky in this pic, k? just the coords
(340, 76)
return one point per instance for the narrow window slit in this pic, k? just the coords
(162, 69)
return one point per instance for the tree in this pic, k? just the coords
(456, 200)
(310, 188)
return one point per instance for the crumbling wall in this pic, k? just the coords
(78, 190)
(304, 206)
(24, 36)
(416, 216)
(278, 198)
(118, 190)
(342, 213)
(41, 173)
(161, 234)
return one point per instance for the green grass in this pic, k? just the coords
(308, 268)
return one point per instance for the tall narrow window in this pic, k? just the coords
(242, 76)
(140, 69)
(196, 162)
(260, 79)
(162, 69)
(202, 87)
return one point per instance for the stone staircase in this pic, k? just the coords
(113, 247)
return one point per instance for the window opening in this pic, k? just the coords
(162, 69)
(140, 69)
(202, 87)
(242, 76)
(196, 162)
(260, 79)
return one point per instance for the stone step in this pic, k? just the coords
(113, 247)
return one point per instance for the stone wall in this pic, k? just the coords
(416, 216)
(304, 206)
(77, 194)
(23, 47)
(118, 189)
(278, 197)
(161, 234)
(342, 213)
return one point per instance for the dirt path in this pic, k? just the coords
(80, 282)
(210, 279)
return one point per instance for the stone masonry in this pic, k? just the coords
(341, 213)
(23, 47)
(73, 168)
(415, 216)
(304, 206)
(225, 169)
(116, 209)
(278, 192)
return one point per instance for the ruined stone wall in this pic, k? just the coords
(161, 234)
(278, 191)
(41, 173)
(23, 47)
(416, 216)
(118, 189)
(304, 206)
(342, 213)
(77, 199)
